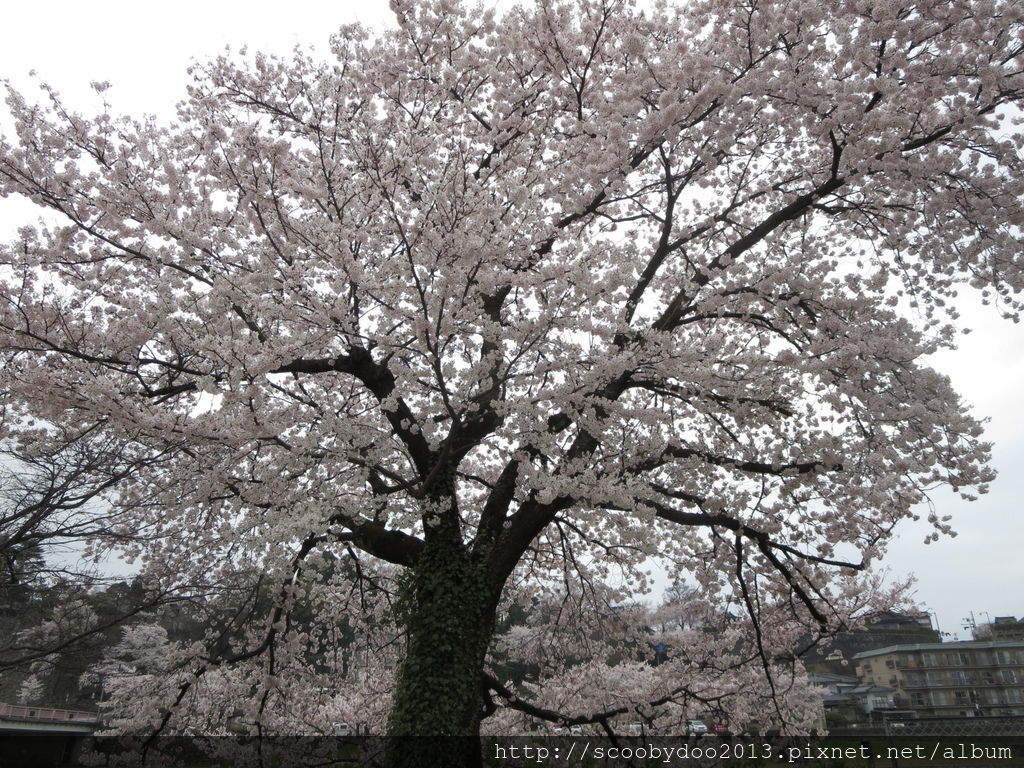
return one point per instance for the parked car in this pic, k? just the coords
(341, 729)
(696, 727)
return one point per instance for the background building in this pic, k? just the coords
(879, 630)
(967, 679)
(1002, 628)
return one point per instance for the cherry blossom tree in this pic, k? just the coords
(499, 300)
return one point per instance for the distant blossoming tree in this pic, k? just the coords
(498, 303)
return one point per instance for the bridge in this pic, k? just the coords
(42, 737)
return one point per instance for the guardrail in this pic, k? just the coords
(46, 714)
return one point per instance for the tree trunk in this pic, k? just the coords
(438, 705)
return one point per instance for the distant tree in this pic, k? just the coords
(58, 632)
(30, 690)
(682, 607)
(51, 483)
(492, 303)
(57, 521)
(22, 571)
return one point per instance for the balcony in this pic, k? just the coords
(912, 685)
(969, 664)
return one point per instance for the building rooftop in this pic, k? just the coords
(829, 677)
(867, 688)
(963, 644)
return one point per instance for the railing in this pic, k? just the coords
(910, 664)
(958, 726)
(960, 684)
(48, 714)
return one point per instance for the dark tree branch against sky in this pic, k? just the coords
(497, 309)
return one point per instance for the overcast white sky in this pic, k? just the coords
(143, 51)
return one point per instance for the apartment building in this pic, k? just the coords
(965, 679)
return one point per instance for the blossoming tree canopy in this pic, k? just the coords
(501, 300)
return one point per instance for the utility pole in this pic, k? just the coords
(971, 624)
